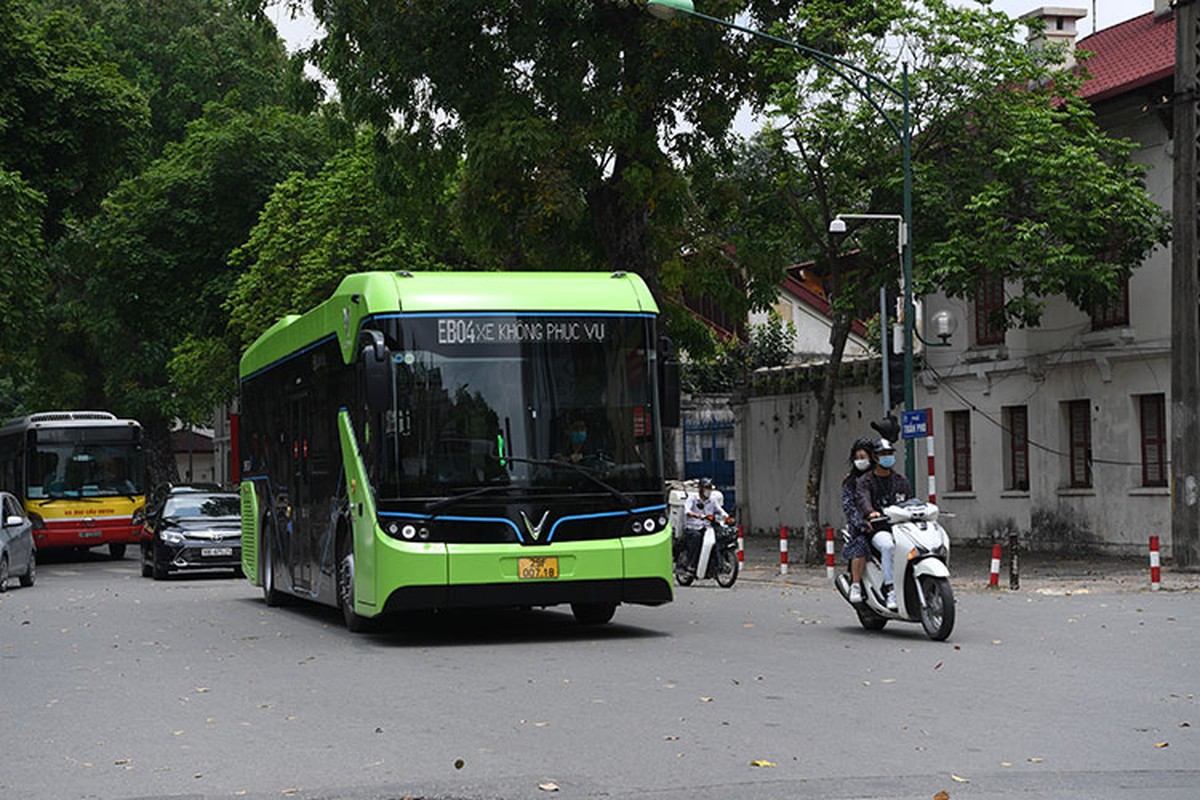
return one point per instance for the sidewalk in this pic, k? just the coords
(970, 568)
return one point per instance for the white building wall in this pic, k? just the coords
(1044, 367)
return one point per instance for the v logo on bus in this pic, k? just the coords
(535, 530)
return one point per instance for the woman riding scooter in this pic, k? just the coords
(857, 548)
(877, 489)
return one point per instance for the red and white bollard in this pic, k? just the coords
(1155, 571)
(783, 550)
(741, 548)
(994, 577)
(829, 553)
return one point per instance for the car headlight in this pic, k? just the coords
(171, 536)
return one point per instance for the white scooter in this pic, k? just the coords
(718, 554)
(920, 567)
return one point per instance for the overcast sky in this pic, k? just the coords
(300, 32)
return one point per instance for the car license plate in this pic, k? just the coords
(537, 567)
(212, 552)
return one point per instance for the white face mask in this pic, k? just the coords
(861, 463)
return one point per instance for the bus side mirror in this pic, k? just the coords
(377, 373)
(668, 384)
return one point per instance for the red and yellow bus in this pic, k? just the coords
(81, 476)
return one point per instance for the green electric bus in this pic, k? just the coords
(447, 440)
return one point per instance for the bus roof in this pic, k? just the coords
(368, 294)
(67, 419)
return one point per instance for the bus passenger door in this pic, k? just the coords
(300, 490)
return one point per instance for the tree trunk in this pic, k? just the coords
(814, 539)
(160, 454)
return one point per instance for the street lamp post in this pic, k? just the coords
(838, 227)
(865, 84)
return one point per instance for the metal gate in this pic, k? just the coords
(707, 451)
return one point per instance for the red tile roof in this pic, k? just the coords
(1124, 57)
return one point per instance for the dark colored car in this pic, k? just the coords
(18, 554)
(193, 530)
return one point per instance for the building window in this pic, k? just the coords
(1016, 448)
(1154, 439)
(960, 450)
(1079, 452)
(1113, 312)
(989, 309)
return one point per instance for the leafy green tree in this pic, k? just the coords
(1010, 170)
(69, 122)
(162, 245)
(574, 119)
(186, 54)
(22, 271)
(362, 212)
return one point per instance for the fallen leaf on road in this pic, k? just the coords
(942, 796)
(762, 762)
(541, 724)
(706, 699)
(748, 625)
(671, 738)
(202, 689)
(122, 761)
(1006, 763)
(1035, 760)
(959, 778)
(459, 763)
(938, 665)
(1161, 745)
(548, 787)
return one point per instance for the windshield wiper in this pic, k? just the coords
(437, 505)
(584, 471)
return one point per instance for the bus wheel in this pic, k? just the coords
(355, 623)
(593, 613)
(271, 596)
(117, 551)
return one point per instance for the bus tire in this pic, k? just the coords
(116, 551)
(355, 622)
(593, 613)
(271, 596)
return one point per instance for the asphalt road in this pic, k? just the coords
(115, 686)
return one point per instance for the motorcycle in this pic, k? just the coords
(718, 554)
(920, 567)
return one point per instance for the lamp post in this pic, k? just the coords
(866, 84)
(838, 227)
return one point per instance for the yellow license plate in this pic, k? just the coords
(537, 567)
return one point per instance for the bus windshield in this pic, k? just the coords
(85, 462)
(520, 401)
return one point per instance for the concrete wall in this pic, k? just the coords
(774, 441)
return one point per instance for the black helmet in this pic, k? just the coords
(706, 483)
(884, 446)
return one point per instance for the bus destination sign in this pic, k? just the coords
(468, 331)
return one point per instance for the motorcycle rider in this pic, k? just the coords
(857, 547)
(698, 509)
(877, 489)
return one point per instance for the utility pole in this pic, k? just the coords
(1185, 299)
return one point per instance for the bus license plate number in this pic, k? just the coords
(214, 552)
(90, 534)
(537, 567)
